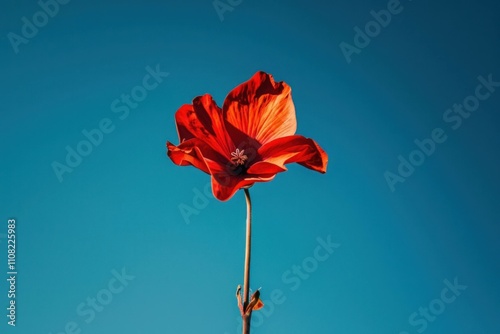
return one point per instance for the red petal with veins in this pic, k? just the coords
(261, 108)
(193, 152)
(281, 151)
(224, 186)
(203, 120)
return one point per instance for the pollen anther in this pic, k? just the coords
(238, 157)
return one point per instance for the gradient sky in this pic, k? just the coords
(397, 250)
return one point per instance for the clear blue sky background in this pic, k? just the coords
(119, 208)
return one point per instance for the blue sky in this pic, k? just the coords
(103, 247)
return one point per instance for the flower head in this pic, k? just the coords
(249, 140)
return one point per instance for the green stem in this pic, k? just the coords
(246, 280)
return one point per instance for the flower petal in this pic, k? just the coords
(281, 151)
(194, 152)
(225, 186)
(203, 120)
(260, 108)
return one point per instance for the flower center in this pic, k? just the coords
(238, 157)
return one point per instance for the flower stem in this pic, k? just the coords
(246, 282)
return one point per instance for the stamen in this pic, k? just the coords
(238, 157)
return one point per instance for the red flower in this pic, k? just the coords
(249, 140)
